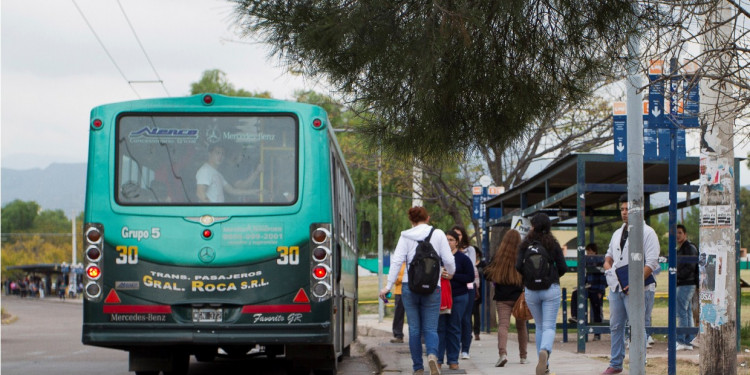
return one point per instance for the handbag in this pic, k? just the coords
(521, 309)
(446, 296)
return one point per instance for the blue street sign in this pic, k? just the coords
(655, 101)
(476, 207)
(649, 137)
(681, 151)
(619, 123)
(691, 106)
(664, 144)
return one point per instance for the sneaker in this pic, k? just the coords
(611, 370)
(649, 340)
(419, 372)
(524, 361)
(501, 361)
(465, 355)
(541, 366)
(432, 362)
(476, 337)
(684, 347)
(453, 366)
(696, 342)
(397, 340)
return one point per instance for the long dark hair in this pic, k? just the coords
(540, 232)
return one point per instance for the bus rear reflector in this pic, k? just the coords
(112, 297)
(301, 297)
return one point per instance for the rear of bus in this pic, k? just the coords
(213, 226)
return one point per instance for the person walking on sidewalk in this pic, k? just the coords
(398, 310)
(421, 310)
(541, 262)
(508, 287)
(465, 246)
(618, 257)
(687, 279)
(450, 325)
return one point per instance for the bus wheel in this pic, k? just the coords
(180, 364)
(206, 355)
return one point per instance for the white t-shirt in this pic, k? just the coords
(209, 176)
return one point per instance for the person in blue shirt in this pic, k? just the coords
(450, 325)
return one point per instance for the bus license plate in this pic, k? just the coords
(207, 315)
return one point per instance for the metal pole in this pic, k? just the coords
(381, 306)
(73, 284)
(636, 302)
(672, 300)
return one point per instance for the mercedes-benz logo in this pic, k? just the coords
(207, 255)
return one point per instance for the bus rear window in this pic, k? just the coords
(206, 159)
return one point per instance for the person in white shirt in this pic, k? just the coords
(617, 257)
(422, 311)
(211, 184)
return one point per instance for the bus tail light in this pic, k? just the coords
(321, 261)
(93, 241)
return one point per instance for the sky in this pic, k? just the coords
(54, 71)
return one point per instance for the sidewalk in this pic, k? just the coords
(395, 358)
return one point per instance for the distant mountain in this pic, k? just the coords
(60, 186)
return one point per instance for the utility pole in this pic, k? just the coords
(718, 241)
(636, 299)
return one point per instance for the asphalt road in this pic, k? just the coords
(46, 340)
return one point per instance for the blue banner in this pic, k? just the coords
(619, 124)
(691, 107)
(655, 101)
(681, 150)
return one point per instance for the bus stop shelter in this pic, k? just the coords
(582, 191)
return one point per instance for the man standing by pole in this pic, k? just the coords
(618, 258)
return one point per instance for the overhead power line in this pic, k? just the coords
(142, 49)
(106, 51)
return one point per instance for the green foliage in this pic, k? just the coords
(31, 236)
(439, 77)
(215, 81)
(18, 216)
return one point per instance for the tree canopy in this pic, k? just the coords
(438, 77)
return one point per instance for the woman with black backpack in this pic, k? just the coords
(541, 262)
(421, 300)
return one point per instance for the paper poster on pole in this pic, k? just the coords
(521, 224)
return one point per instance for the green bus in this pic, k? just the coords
(218, 226)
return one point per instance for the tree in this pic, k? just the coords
(18, 216)
(215, 81)
(436, 78)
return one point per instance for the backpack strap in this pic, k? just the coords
(429, 235)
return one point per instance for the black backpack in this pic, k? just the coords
(537, 268)
(424, 268)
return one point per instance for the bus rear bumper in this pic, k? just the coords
(144, 335)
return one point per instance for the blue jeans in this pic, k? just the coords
(449, 330)
(544, 305)
(422, 312)
(649, 301)
(685, 311)
(466, 322)
(618, 316)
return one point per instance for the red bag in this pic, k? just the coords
(446, 296)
